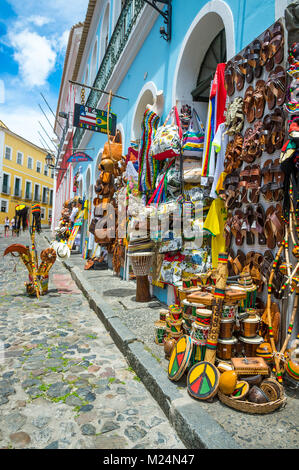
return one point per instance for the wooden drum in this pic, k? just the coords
(141, 264)
(248, 346)
(226, 348)
(250, 326)
(226, 328)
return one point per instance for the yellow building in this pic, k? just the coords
(24, 176)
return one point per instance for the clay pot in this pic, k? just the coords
(228, 382)
(169, 344)
(256, 395)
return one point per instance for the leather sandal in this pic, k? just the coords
(243, 184)
(229, 78)
(246, 156)
(277, 84)
(254, 184)
(239, 71)
(278, 129)
(266, 134)
(265, 49)
(268, 228)
(249, 70)
(279, 179)
(254, 58)
(249, 219)
(248, 104)
(239, 262)
(276, 46)
(267, 265)
(259, 99)
(254, 141)
(236, 225)
(260, 222)
(268, 179)
(277, 224)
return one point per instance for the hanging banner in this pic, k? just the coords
(79, 157)
(94, 119)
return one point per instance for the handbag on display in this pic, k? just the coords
(193, 139)
(167, 140)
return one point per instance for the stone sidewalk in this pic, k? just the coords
(199, 424)
(63, 382)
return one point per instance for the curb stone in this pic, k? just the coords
(195, 427)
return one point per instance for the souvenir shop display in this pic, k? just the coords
(239, 337)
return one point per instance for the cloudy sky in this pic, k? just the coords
(33, 40)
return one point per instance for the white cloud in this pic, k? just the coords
(35, 56)
(23, 120)
(39, 20)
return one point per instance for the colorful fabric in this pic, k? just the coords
(214, 224)
(147, 166)
(193, 140)
(208, 163)
(219, 144)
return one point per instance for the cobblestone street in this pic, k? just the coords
(64, 384)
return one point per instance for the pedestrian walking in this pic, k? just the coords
(13, 227)
(6, 227)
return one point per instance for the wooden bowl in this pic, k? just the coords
(256, 395)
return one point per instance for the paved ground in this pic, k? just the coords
(63, 382)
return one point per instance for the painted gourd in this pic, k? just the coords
(241, 390)
(228, 382)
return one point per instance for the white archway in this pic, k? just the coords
(210, 20)
(146, 96)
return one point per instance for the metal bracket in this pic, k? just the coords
(166, 15)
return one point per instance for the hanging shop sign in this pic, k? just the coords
(94, 119)
(79, 157)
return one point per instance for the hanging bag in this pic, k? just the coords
(167, 141)
(193, 139)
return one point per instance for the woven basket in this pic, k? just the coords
(141, 263)
(253, 408)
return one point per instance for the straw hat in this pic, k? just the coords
(63, 252)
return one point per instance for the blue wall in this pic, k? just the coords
(159, 58)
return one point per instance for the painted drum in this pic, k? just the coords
(229, 311)
(226, 328)
(188, 319)
(179, 358)
(160, 332)
(226, 348)
(249, 345)
(241, 390)
(250, 326)
(198, 352)
(175, 326)
(200, 332)
(203, 316)
(190, 308)
(163, 314)
(203, 380)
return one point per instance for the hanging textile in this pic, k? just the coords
(215, 117)
(148, 167)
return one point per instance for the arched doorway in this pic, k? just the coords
(209, 40)
(146, 97)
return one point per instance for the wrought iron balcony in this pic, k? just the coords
(118, 40)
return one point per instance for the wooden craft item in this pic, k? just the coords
(250, 365)
(248, 346)
(241, 390)
(224, 366)
(226, 348)
(292, 369)
(203, 380)
(250, 326)
(219, 294)
(256, 395)
(252, 379)
(272, 389)
(228, 382)
(205, 298)
(226, 328)
(179, 358)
